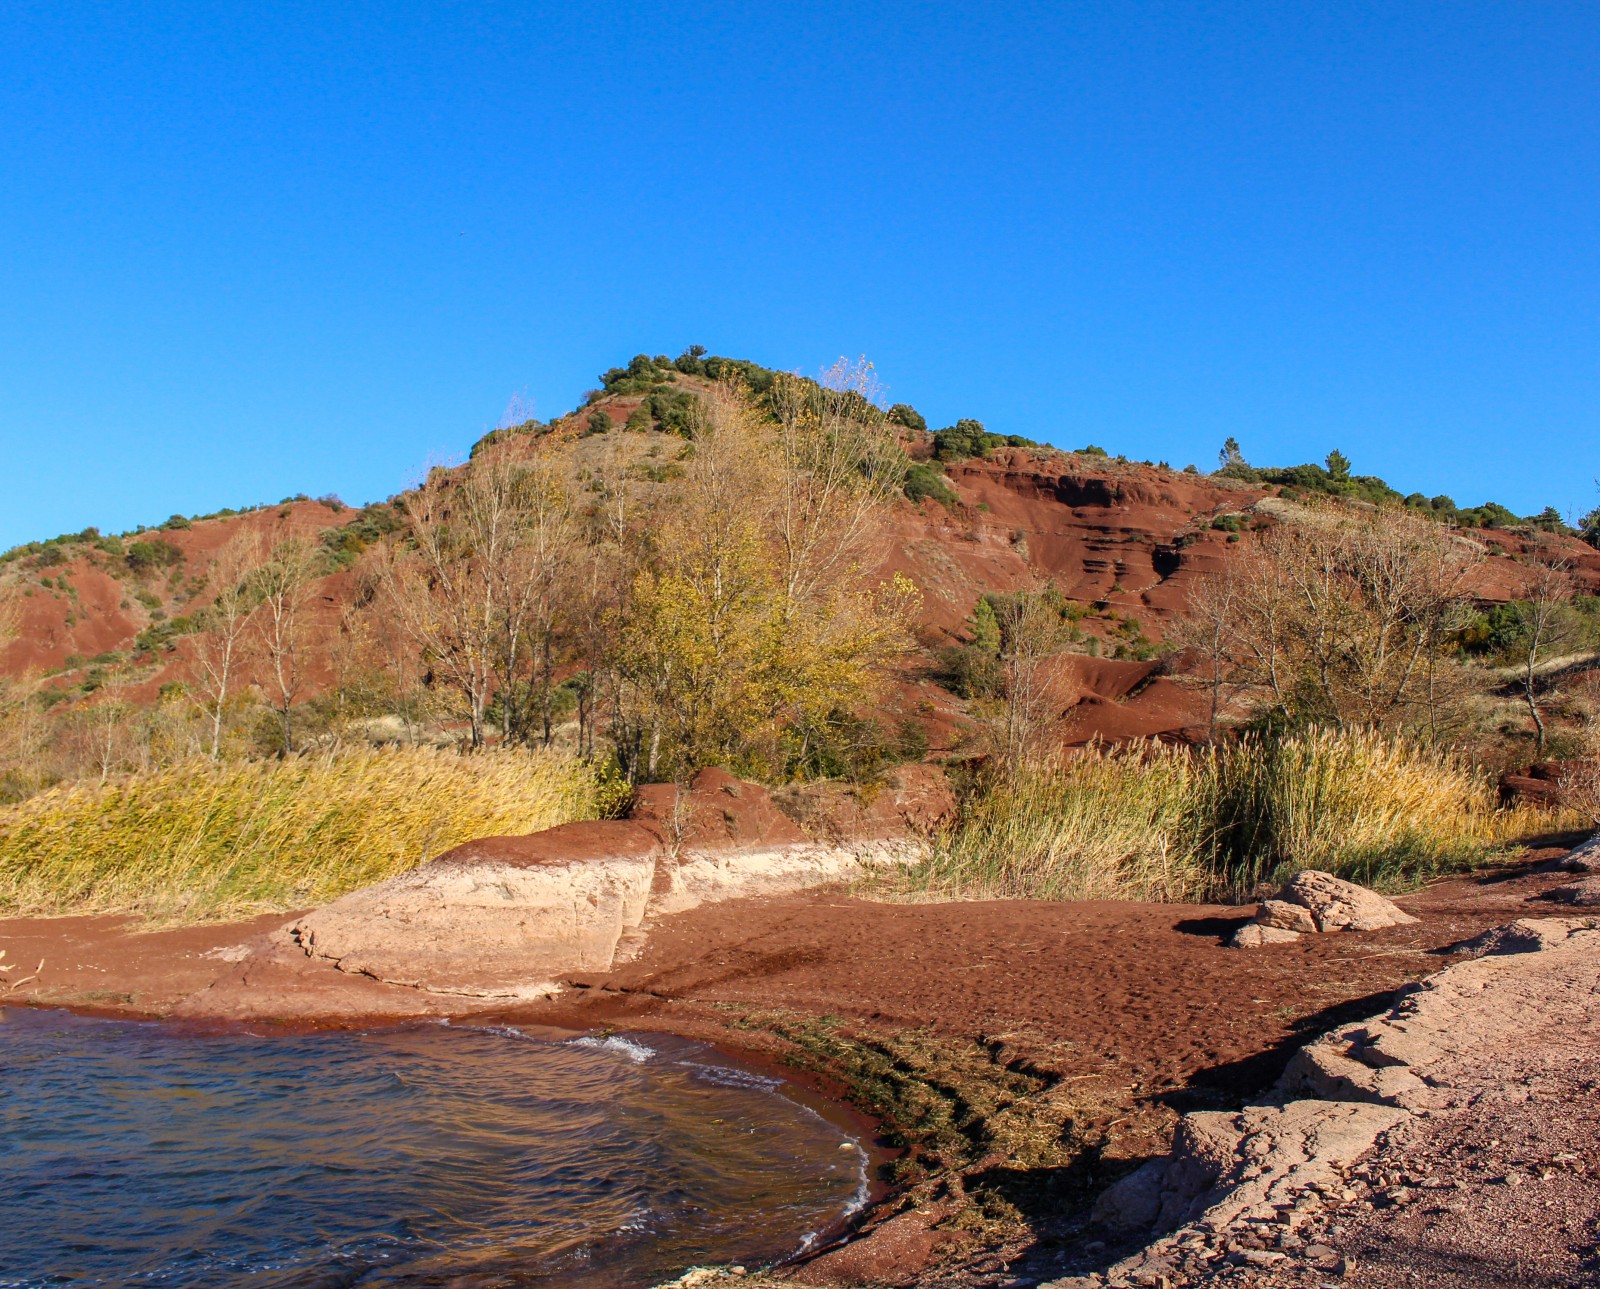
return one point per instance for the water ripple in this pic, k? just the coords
(137, 1154)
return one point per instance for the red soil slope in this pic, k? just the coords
(1124, 540)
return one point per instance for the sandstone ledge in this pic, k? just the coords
(506, 918)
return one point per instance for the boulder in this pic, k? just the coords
(1337, 905)
(1253, 935)
(1286, 916)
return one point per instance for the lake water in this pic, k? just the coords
(135, 1153)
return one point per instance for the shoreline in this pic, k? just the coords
(1127, 1014)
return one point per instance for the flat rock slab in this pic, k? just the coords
(1269, 1167)
(1530, 978)
(1525, 935)
(501, 917)
(1254, 935)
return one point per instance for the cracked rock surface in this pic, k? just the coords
(1479, 1082)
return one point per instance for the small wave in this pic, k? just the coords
(631, 1048)
(855, 1204)
(725, 1077)
(500, 1031)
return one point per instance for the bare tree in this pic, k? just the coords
(398, 667)
(219, 649)
(479, 572)
(283, 585)
(1545, 630)
(1210, 626)
(1033, 633)
(105, 724)
(1349, 616)
(841, 462)
(534, 589)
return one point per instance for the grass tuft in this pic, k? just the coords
(1152, 822)
(204, 841)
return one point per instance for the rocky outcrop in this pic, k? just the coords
(1225, 1165)
(502, 916)
(507, 917)
(1314, 902)
(1236, 1184)
(1525, 935)
(1522, 978)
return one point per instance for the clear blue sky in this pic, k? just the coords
(248, 251)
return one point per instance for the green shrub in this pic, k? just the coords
(927, 480)
(1589, 527)
(674, 410)
(759, 379)
(691, 362)
(162, 636)
(908, 416)
(600, 422)
(154, 553)
(850, 747)
(968, 438)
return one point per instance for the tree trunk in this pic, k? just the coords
(1531, 698)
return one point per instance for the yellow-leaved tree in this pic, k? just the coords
(747, 629)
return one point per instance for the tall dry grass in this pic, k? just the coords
(203, 841)
(1108, 825)
(1151, 822)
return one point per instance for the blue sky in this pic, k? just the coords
(248, 251)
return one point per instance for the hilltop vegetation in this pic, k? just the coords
(1334, 479)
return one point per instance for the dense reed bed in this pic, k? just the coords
(203, 841)
(1151, 822)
